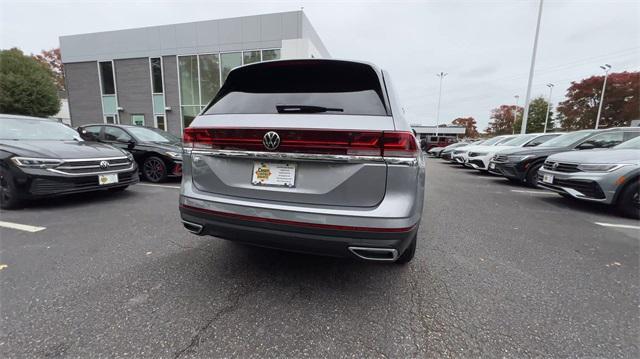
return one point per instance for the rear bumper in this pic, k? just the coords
(304, 237)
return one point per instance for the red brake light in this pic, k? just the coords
(399, 144)
(332, 142)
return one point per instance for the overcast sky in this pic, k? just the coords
(484, 46)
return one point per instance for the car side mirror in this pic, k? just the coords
(586, 146)
(131, 144)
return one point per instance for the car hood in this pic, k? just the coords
(60, 149)
(598, 156)
(536, 151)
(163, 146)
(482, 148)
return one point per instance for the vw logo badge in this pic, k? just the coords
(104, 165)
(271, 140)
(554, 166)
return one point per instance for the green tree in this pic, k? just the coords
(537, 114)
(26, 87)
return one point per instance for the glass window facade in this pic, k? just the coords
(201, 77)
(156, 75)
(249, 57)
(268, 55)
(106, 77)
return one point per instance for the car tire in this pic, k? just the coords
(408, 253)
(8, 195)
(154, 169)
(629, 201)
(532, 175)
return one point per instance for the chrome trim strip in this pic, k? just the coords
(92, 173)
(92, 166)
(64, 160)
(287, 156)
(404, 161)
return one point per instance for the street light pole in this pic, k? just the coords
(546, 118)
(606, 69)
(525, 116)
(441, 75)
(515, 115)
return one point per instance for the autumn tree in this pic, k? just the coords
(26, 87)
(621, 102)
(503, 120)
(53, 61)
(469, 123)
(537, 114)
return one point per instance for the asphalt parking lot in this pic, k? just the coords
(500, 270)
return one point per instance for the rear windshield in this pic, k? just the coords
(310, 86)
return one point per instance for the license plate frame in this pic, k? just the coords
(274, 174)
(547, 178)
(107, 179)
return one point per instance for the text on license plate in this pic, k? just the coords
(108, 178)
(547, 178)
(274, 174)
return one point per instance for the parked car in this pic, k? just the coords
(158, 153)
(480, 156)
(306, 155)
(610, 176)
(521, 164)
(460, 155)
(43, 158)
(448, 151)
(435, 151)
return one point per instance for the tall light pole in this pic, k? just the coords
(515, 115)
(525, 116)
(441, 75)
(546, 118)
(606, 69)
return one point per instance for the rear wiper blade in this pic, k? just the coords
(305, 109)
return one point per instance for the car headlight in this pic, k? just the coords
(174, 155)
(129, 156)
(518, 158)
(27, 162)
(603, 167)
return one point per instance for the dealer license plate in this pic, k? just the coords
(108, 179)
(273, 174)
(547, 179)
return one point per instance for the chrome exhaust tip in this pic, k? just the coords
(375, 254)
(192, 227)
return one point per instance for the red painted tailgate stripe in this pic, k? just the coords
(298, 224)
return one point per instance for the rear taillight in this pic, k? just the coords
(332, 142)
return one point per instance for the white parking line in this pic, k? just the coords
(157, 185)
(533, 192)
(628, 226)
(21, 227)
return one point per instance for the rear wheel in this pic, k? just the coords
(154, 169)
(629, 201)
(410, 252)
(8, 195)
(532, 175)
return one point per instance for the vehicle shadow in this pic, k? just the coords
(79, 199)
(584, 206)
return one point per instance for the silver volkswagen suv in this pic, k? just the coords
(310, 156)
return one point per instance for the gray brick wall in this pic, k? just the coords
(84, 92)
(133, 88)
(171, 94)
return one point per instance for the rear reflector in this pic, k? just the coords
(332, 142)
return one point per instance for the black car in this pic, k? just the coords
(522, 164)
(41, 158)
(158, 153)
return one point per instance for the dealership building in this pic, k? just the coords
(162, 76)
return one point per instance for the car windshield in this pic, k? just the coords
(566, 140)
(34, 129)
(633, 144)
(145, 134)
(492, 141)
(518, 141)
